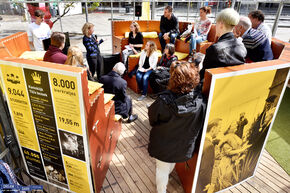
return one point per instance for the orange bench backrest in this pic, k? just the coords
(211, 37)
(277, 48)
(120, 27)
(16, 43)
(4, 51)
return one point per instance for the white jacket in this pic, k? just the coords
(153, 59)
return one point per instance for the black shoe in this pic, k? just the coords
(132, 118)
(153, 96)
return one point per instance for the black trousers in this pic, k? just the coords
(96, 65)
(124, 108)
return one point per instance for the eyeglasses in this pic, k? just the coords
(39, 16)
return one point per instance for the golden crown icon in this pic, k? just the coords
(36, 78)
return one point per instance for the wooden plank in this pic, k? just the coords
(136, 160)
(276, 170)
(259, 185)
(124, 173)
(249, 188)
(234, 190)
(242, 188)
(174, 182)
(107, 187)
(274, 178)
(136, 169)
(120, 180)
(274, 184)
(113, 182)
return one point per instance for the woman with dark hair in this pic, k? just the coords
(201, 29)
(176, 118)
(135, 42)
(147, 63)
(162, 70)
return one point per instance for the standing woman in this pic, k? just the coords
(147, 63)
(176, 118)
(201, 29)
(91, 43)
(135, 42)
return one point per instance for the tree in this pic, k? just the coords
(67, 8)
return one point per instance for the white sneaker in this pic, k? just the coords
(141, 98)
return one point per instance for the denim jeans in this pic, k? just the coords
(195, 40)
(163, 42)
(142, 80)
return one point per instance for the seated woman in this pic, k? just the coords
(201, 29)
(75, 58)
(162, 71)
(147, 63)
(135, 42)
(176, 118)
(91, 43)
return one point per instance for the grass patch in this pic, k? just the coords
(278, 144)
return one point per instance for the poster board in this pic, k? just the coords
(243, 102)
(47, 110)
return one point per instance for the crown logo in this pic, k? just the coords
(13, 79)
(36, 78)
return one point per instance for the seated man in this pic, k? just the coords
(228, 51)
(256, 43)
(257, 18)
(115, 84)
(54, 52)
(169, 28)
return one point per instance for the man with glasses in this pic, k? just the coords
(38, 31)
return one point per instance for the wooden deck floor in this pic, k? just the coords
(132, 170)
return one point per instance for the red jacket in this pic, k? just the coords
(54, 54)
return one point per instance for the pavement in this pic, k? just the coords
(102, 21)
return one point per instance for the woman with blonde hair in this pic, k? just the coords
(91, 43)
(135, 42)
(147, 63)
(176, 118)
(74, 56)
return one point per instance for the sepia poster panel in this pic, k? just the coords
(240, 115)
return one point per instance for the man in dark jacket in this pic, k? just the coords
(54, 52)
(115, 84)
(169, 28)
(228, 51)
(255, 41)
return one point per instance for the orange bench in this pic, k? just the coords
(119, 28)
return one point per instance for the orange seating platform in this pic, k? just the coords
(119, 28)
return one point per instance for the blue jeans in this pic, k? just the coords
(142, 80)
(163, 42)
(195, 40)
